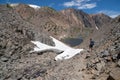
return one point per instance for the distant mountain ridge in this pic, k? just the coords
(66, 23)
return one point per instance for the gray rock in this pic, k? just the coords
(115, 74)
(114, 57)
(4, 59)
(105, 53)
(118, 56)
(111, 49)
(100, 66)
(39, 73)
(118, 63)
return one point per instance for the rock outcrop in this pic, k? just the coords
(101, 19)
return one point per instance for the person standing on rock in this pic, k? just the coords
(91, 44)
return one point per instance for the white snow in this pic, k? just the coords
(40, 47)
(34, 6)
(67, 52)
(31, 5)
(59, 45)
(96, 27)
(14, 4)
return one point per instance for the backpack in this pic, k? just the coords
(92, 43)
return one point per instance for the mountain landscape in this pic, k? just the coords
(20, 24)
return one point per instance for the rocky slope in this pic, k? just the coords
(15, 37)
(65, 23)
(108, 54)
(18, 29)
(45, 18)
(25, 11)
(103, 63)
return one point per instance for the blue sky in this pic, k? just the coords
(109, 7)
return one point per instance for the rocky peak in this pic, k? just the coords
(47, 12)
(78, 17)
(25, 11)
(101, 19)
(117, 19)
(68, 10)
(48, 9)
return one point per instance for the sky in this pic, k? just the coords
(108, 7)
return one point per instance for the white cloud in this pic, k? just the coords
(69, 4)
(14, 4)
(111, 13)
(87, 6)
(80, 4)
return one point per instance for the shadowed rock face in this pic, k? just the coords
(78, 18)
(101, 19)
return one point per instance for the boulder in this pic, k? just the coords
(115, 74)
(105, 53)
(118, 63)
(4, 59)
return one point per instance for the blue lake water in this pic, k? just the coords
(73, 41)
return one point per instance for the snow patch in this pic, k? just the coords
(30, 5)
(14, 4)
(67, 52)
(34, 6)
(96, 27)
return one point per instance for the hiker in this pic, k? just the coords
(91, 44)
